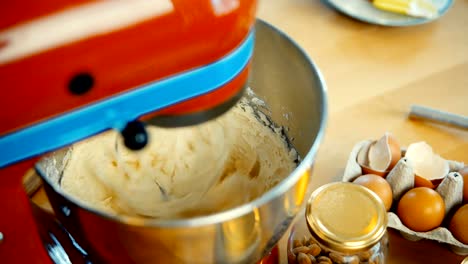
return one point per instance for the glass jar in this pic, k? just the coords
(342, 223)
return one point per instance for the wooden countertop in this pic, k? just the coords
(373, 75)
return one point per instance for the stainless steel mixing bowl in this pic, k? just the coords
(294, 90)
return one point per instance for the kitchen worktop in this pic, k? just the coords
(373, 75)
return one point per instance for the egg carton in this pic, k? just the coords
(440, 234)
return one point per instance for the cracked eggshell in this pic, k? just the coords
(363, 154)
(380, 156)
(429, 168)
(384, 153)
(363, 161)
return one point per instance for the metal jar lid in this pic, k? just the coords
(346, 217)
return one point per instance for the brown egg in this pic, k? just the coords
(379, 186)
(423, 182)
(459, 224)
(421, 209)
(464, 173)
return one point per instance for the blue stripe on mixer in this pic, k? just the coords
(117, 111)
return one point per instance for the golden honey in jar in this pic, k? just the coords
(342, 223)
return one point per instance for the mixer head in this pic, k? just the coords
(72, 69)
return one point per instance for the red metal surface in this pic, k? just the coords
(34, 88)
(272, 257)
(21, 243)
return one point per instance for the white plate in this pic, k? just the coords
(363, 10)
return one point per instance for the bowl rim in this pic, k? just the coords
(240, 210)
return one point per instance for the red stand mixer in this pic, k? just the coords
(72, 69)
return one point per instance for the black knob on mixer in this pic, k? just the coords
(81, 83)
(135, 135)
